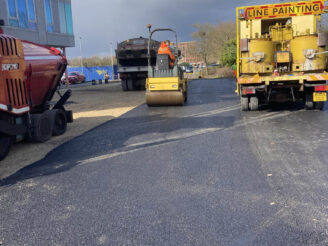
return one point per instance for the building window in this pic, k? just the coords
(22, 14)
(69, 19)
(65, 16)
(49, 19)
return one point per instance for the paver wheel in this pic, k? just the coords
(5, 144)
(254, 103)
(244, 102)
(42, 126)
(124, 85)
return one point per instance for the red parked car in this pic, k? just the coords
(74, 78)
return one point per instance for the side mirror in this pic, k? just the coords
(179, 53)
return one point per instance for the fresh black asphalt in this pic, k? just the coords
(202, 174)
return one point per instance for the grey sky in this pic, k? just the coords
(100, 22)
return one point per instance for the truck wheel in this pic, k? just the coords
(69, 116)
(308, 101)
(124, 85)
(141, 84)
(244, 102)
(309, 105)
(42, 126)
(254, 103)
(131, 85)
(59, 121)
(319, 105)
(5, 144)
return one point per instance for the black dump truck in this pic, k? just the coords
(132, 62)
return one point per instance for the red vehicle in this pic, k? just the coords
(29, 77)
(74, 78)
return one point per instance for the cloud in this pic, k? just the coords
(100, 22)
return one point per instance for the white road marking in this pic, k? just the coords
(168, 139)
(150, 144)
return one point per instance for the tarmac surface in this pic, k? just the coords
(202, 174)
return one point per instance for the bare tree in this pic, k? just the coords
(203, 44)
(222, 33)
(212, 38)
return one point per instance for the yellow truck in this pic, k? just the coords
(282, 54)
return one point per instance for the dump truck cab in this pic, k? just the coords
(281, 54)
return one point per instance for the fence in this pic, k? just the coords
(95, 73)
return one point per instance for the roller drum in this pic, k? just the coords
(165, 98)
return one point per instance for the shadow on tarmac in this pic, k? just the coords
(111, 137)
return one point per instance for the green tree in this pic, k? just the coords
(228, 53)
(185, 64)
(211, 38)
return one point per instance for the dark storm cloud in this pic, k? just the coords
(100, 22)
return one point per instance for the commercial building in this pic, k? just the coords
(47, 22)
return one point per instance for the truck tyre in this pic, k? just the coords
(244, 102)
(254, 103)
(59, 121)
(131, 85)
(319, 105)
(5, 144)
(141, 84)
(124, 85)
(69, 116)
(309, 104)
(42, 126)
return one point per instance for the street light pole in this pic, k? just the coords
(81, 54)
(111, 55)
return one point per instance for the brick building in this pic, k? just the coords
(189, 55)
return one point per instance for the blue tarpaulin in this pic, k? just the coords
(95, 73)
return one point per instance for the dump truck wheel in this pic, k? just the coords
(69, 116)
(141, 84)
(6, 142)
(131, 85)
(319, 105)
(59, 121)
(244, 102)
(124, 85)
(42, 126)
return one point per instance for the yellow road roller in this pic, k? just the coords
(165, 85)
